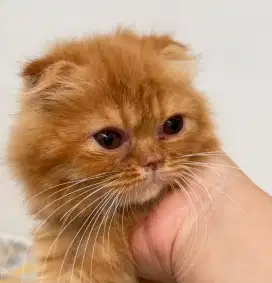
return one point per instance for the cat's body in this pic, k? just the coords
(101, 257)
(106, 126)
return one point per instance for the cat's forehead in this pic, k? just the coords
(144, 105)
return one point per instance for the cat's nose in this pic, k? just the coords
(153, 161)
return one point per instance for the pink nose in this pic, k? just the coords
(153, 161)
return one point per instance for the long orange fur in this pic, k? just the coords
(88, 199)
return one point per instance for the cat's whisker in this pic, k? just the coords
(113, 216)
(201, 181)
(139, 201)
(210, 168)
(190, 167)
(117, 205)
(93, 226)
(206, 228)
(207, 153)
(187, 163)
(97, 215)
(123, 214)
(132, 210)
(167, 89)
(103, 222)
(90, 233)
(194, 177)
(221, 191)
(107, 185)
(73, 182)
(104, 197)
(102, 202)
(85, 222)
(175, 168)
(193, 165)
(85, 208)
(66, 189)
(212, 165)
(27, 199)
(192, 215)
(128, 206)
(107, 176)
(45, 220)
(67, 225)
(70, 200)
(84, 189)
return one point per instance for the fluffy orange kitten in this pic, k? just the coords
(106, 125)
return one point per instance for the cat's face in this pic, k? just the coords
(114, 116)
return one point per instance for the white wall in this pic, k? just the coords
(234, 37)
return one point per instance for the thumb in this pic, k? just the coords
(154, 238)
(146, 254)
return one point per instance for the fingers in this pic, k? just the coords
(153, 240)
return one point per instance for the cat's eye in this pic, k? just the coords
(173, 125)
(109, 139)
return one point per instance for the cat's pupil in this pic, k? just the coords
(173, 125)
(109, 139)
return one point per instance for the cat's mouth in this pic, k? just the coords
(149, 189)
(153, 177)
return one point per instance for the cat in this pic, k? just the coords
(106, 126)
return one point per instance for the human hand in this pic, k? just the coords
(209, 233)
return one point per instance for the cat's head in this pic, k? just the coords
(112, 116)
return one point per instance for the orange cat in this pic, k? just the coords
(107, 124)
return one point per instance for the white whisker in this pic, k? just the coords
(123, 214)
(45, 220)
(98, 214)
(211, 168)
(208, 153)
(194, 177)
(104, 196)
(79, 181)
(212, 165)
(93, 192)
(221, 191)
(67, 225)
(117, 203)
(62, 197)
(206, 231)
(27, 199)
(192, 216)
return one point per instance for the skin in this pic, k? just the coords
(230, 235)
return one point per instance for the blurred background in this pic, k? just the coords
(234, 39)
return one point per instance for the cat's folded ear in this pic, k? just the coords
(45, 72)
(180, 59)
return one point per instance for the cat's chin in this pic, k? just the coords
(146, 193)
